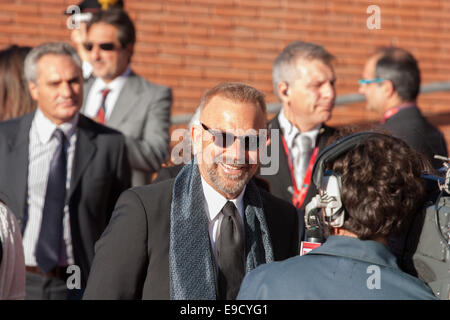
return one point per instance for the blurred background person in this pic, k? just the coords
(391, 84)
(375, 184)
(78, 23)
(123, 100)
(303, 80)
(15, 100)
(62, 172)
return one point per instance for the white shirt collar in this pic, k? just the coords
(215, 201)
(115, 85)
(45, 128)
(291, 132)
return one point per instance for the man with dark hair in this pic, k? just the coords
(78, 23)
(391, 84)
(303, 81)
(378, 181)
(121, 99)
(195, 236)
(62, 173)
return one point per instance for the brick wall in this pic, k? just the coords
(192, 45)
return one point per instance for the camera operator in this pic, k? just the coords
(378, 182)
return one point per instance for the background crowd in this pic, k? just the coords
(79, 126)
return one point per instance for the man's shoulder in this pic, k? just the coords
(154, 190)
(269, 200)
(85, 123)
(146, 84)
(11, 125)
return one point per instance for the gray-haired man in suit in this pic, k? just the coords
(62, 174)
(121, 99)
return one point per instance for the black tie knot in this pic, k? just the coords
(229, 210)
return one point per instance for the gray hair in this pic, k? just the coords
(56, 48)
(284, 66)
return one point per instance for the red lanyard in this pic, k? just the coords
(393, 111)
(298, 197)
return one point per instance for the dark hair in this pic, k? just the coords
(401, 68)
(236, 92)
(119, 19)
(381, 186)
(15, 99)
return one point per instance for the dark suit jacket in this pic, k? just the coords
(132, 256)
(100, 172)
(410, 125)
(281, 182)
(142, 114)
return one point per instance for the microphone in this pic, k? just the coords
(314, 226)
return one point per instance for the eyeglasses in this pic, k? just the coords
(106, 46)
(369, 81)
(225, 139)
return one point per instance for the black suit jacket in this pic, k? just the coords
(410, 125)
(132, 256)
(100, 172)
(281, 182)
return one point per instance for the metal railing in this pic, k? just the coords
(274, 107)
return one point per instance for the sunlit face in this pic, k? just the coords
(107, 64)
(228, 168)
(375, 98)
(309, 99)
(58, 90)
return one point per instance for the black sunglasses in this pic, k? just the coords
(106, 46)
(226, 139)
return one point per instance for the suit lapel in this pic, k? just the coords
(283, 172)
(18, 164)
(126, 101)
(84, 151)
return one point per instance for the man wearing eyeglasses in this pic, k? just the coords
(195, 236)
(303, 81)
(121, 99)
(391, 84)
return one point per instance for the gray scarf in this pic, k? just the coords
(191, 267)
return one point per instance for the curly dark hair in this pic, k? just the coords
(381, 186)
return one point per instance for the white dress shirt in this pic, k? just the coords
(94, 98)
(292, 136)
(214, 203)
(41, 149)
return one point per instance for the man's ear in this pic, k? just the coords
(388, 88)
(196, 137)
(33, 87)
(283, 91)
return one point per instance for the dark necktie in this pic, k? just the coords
(102, 111)
(230, 252)
(50, 236)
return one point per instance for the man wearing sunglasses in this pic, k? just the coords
(78, 22)
(303, 81)
(121, 99)
(391, 84)
(195, 236)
